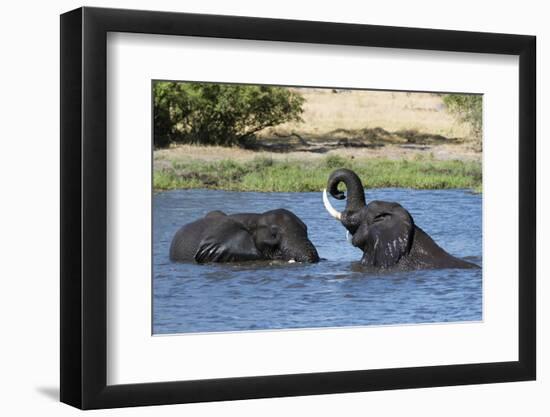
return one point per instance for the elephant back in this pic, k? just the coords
(186, 241)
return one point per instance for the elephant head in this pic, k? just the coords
(384, 231)
(281, 235)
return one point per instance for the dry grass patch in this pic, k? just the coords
(326, 111)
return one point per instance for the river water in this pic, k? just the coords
(333, 293)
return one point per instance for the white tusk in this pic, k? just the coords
(331, 210)
(349, 237)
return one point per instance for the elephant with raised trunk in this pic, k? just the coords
(385, 231)
(218, 237)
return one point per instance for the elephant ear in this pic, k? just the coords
(387, 239)
(226, 241)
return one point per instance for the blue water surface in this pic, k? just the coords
(333, 293)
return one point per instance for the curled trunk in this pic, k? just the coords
(354, 188)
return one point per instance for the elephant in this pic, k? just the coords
(218, 237)
(385, 231)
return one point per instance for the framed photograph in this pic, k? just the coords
(258, 208)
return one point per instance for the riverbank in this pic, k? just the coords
(289, 173)
(391, 139)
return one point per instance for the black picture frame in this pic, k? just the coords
(84, 207)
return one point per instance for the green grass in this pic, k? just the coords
(265, 174)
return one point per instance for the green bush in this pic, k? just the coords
(469, 109)
(219, 114)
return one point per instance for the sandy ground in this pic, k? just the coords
(326, 110)
(164, 158)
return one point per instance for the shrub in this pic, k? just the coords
(469, 109)
(219, 114)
